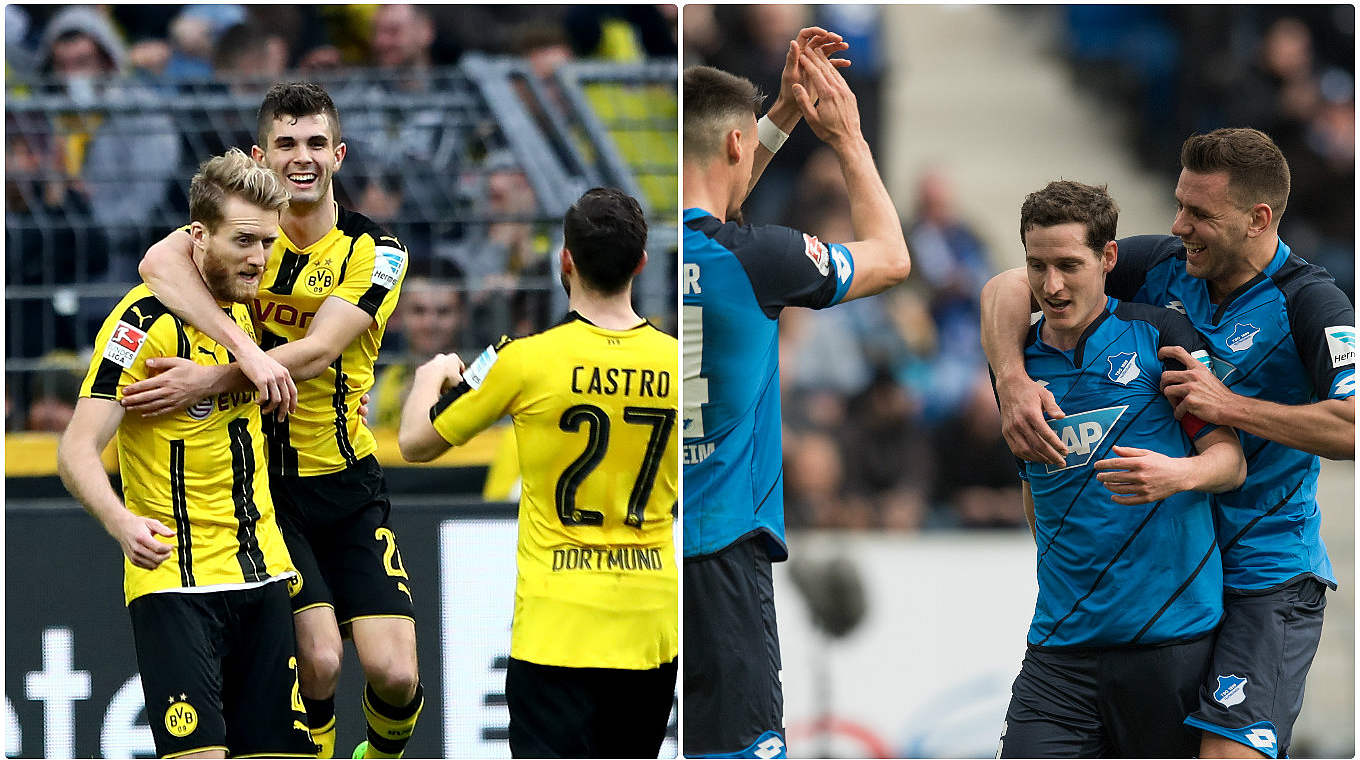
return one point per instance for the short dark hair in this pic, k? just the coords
(1063, 201)
(1257, 170)
(295, 100)
(714, 101)
(606, 234)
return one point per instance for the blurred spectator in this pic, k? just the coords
(402, 38)
(978, 480)
(127, 159)
(248, 57)
(52, 400)
(429, 320)
(889, 461)
(620, 32)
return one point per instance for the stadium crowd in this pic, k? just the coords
(884, 396)
(110, 105)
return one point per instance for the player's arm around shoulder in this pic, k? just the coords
(167, 269)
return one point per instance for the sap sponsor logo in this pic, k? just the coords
(1083, 434)
(1177, 306)
(816, 250)
(1231, 690)
(843, 268)
(697, 452)
(124, 344)
(1123, 368)
(1242, 336)
(1261, 736)
(475, 374)
(630, 558)
(1344, 386)
(692, 287)
(1341, 343)
(387, 265)
(282, 313)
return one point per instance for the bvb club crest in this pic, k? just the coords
(180, 717)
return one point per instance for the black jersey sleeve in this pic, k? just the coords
(1322, 321)
(1136, 256)
(790, 268)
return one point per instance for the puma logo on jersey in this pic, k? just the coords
(141, 318)
(1083, 434)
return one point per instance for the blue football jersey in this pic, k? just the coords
(735, 281)
(1111, 574)
(1286, 336)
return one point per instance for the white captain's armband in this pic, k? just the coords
(124, 344)
(388, 263)
(475, 374)
(1341, 344)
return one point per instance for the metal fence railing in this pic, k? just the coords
(471, 166)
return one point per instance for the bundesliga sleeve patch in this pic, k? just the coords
(388, 263)
(124, 344)
(1341, 344)
(816, 250)
(475, 374)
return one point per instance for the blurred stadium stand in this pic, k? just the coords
(472, 165)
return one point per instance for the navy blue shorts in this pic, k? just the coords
(1254, 688)
(734, 701)
(1106, 702)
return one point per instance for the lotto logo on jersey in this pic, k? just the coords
(1341, 343)
(843, 268)
(387, 265)
(1231, 690)
(1083, 433)
(816, 250)
(1176, 306)
(124, 344)
(769, 746)
(1261, 736)
(1344, 386)
(1124, 368)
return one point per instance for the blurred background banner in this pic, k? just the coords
(895, 470)
(470, 130)
(71, 683)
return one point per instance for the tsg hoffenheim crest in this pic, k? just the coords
(1123, 368)
(1242, 336)
(1231, 690)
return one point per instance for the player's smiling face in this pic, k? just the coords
(234, 255)
(1067, 278)
(1212, 227)
(303, 151)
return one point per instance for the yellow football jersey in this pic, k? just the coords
(201, 471)
(594, 413)
(360, 263)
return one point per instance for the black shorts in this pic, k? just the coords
(1106, 702)
(734, 701)
(219, 671)
(1254, 688)
(587, 712)
(336, 530)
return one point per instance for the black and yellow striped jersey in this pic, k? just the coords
(358, 262)
(200, 471)
(594, 414)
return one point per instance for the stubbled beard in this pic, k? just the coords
(222, 282)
